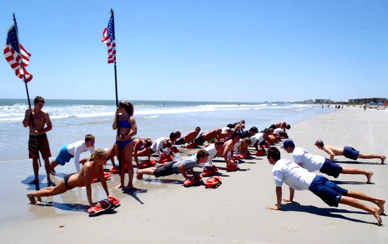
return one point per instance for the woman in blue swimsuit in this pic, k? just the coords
(127, 129)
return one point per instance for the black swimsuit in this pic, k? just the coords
(66, 178)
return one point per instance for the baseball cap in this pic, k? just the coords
(288, 143)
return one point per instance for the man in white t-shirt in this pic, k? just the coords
(314, 162)
(215, 150)
(298, 178)
(73, 150)
(160, 143)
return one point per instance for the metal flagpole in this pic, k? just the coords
(117, 98)
(25, 83)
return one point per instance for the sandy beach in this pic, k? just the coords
(234, 213)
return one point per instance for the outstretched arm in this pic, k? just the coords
(330, 152)
(292, 192)
(278, 199)
(88, 183)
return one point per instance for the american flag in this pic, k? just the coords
(16, 55)
(109, 39)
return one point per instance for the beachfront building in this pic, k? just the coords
(323, 101)
(376, 100)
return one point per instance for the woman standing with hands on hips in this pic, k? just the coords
(127, 127)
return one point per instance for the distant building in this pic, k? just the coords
(367, 100)
(320, 101)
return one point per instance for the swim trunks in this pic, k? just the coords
(331, 168)
(273, 126)
(199, 140)
(350, 152)
(64, 156)
(164, 170)
(180, 141)
(122, 144)
(66, 178)
(327, 190)
(39, 143)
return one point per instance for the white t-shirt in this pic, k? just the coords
(292, 174)
(236, 145)
(258, 137)
(211, 149)
(158, 145)
(310, 162)
(76, 149)
(277, 131)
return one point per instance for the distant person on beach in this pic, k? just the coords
(251, 132)
(259, 140)
(236, 125)
(141, 148)
(39, 123)
(207, 136)
(189, 138)
(159, 144)
(225, 134)
(184, 166)
(241, 147)
(229, 148)
(215, 149)
(347, 152)
(127, 127)
(298, 178)
(280, 134)
(91, 169)
(73, 150)
(314, 162)
(283, 125)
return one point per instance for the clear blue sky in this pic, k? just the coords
(202, 50)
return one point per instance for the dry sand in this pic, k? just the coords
(234, 213)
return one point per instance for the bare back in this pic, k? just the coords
(333, 149)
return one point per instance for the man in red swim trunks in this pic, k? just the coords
(39, 123)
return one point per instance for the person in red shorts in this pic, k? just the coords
(39, 123)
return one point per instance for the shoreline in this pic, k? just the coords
(235, 212)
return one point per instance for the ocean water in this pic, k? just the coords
(72, 119)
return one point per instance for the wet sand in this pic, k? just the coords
(234, 213)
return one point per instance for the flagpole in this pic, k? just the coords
(25, 81)
(117, 99)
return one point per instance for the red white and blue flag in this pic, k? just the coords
(109, 39)
(16, 55)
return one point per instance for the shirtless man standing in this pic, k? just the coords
(39, 123)
(347, 152)
(189, 137)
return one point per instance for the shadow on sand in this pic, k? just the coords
(327, 212)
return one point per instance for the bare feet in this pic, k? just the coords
(382, 159)
(369, 176)
(139, 176)
(380, 203)
(34, 182)
(31, 198)
(119, 186)
(376, 212)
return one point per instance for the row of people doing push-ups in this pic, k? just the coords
(125, 123)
